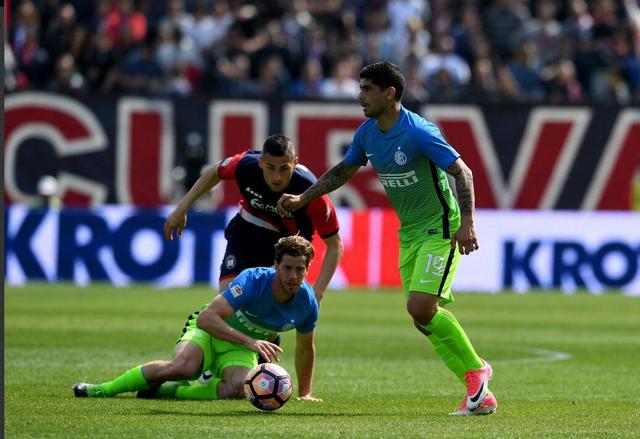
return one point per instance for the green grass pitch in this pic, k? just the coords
(564, 366)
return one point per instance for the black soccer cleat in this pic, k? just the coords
(84, 390)
(80, 390)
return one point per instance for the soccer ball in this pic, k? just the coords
(268, 386)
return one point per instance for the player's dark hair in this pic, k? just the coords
(278, 145)
(385, 74)
(294, 245)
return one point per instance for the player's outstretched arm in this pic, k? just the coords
(332, 257)
(305, 360)
(177, 219)
(330, 181)
(212, 321)
(466, 237)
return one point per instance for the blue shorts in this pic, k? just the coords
(247, 246)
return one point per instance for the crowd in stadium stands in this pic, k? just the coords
(466, 50)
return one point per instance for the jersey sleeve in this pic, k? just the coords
(242, 290)
(323, 217)
(355, 155)
(430, 141)
(227, 167)
(309, 324)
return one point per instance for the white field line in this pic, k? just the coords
(541, 356)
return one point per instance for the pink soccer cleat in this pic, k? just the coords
(489, 405)
(477, 385)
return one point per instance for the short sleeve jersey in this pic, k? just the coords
(409, 160)
(258, 315)
(259, 200)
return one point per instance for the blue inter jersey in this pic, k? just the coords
(258, 315)
(409, 160)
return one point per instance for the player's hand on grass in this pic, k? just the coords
(177, 220)
(268, 350)
(308, 397)
(465, 238)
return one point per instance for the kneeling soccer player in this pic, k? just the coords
(226, 336)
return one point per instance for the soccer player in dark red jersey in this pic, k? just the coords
(262, 178)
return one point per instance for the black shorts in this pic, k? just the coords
(248, 246)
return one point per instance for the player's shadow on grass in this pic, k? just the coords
(244, 413)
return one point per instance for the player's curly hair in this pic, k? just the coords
(294, 245)
(385, 74)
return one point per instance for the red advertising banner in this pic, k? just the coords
(122, 150)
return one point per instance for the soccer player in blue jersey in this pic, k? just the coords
(412, 160)
(220, 343)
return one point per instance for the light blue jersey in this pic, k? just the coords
(258, 315)
(409, 160)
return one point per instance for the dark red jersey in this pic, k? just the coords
(258, 203)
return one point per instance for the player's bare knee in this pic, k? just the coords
(421, 312)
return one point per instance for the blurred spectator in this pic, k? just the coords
(401, 12)
(579, 22)
(174, 48)
(10, 77)
(233, 78)
(178, 82)
(493, 83)
(632, 8)
(625, 69)
(274, 80)
(525, 68)
(342, 83)
(25, 22)
(561, 82)
(468, 33)
(443, 87)
(209, 26)
(67, 77)
(33, 60)
(444, 58)
(141, 73)
(484, 86)
(101, 63)
(125, 25)
(415, 89)
(502, 22)
(545, 31)
(60, 31)
(308, 85)
(381, 43)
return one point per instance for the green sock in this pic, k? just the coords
(450, 359)
(446, 327)
(130, 381)
(203, 392)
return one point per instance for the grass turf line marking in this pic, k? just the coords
(542, 356)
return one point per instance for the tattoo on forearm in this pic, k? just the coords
(464, 187)
(331, 180)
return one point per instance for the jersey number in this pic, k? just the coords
(435, 264)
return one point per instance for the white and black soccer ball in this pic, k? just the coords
(268, 386)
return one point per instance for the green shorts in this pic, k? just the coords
(218, 354)
(429, 267)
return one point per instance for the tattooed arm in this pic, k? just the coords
(330, 181)
(465, 238)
